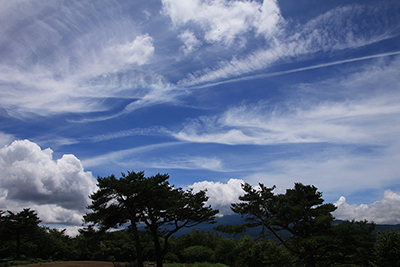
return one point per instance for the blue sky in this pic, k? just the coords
(215, 93)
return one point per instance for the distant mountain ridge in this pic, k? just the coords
(235, 219)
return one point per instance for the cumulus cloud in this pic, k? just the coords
(221, 194)
(136, 52)
(190, 42)
(383, 211)
(57, 189)
(224, 21)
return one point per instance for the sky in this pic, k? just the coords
(213, 92)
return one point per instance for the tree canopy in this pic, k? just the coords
(19, 228)
(135, 199)
(301, 212)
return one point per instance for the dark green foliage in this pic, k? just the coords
(232, 252)
(225, 251)
(263, 252)
(194, 254)
(134, 198)
(22, 237)
(197, 237)
(387, 248)
(19, 231)
(100, 245)
(87, 243)
(56, 245)
(313, 240)
(350, 242)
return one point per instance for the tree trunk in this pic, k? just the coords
(139, 252)
(18, 246)
(157, 246)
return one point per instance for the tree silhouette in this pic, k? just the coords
(20, 227)
(314, 240)
(134, 198)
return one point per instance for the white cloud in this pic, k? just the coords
(121, 156)
(133, 158)
(43, 90)
(190, 42)
(334, 171)
(224, 21)
(125, 133)
(49, 66)
(347, 26)
(358, 122)
(383, 211)
(343, 133)
(188, 163)
(221, 194)
(70, 62)
(337, 29)
(57, 190)
(356, 108)
(137, 52)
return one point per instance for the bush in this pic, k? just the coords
(225, 251)
(198, 254)
(171, 257)
(387, 248)
(250, 252)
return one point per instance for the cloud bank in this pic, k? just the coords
(383, 211)
(57, 189)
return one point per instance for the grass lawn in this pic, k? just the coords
(72, 264)
(109, 264)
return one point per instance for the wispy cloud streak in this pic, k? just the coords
(313, 67)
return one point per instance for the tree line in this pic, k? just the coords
(312, 238)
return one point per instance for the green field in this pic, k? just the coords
(110, 264)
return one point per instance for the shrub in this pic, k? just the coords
(387, 248)
(198, 254)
